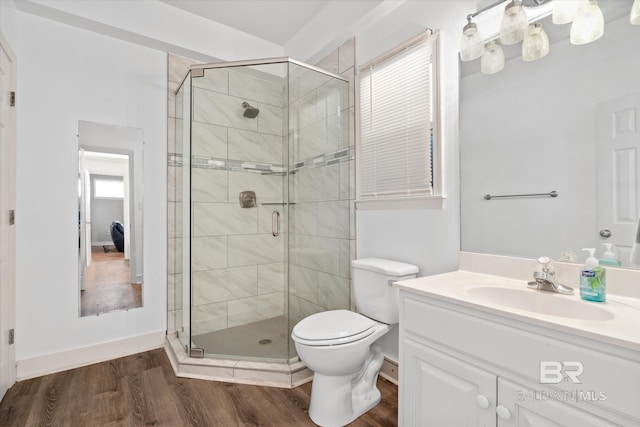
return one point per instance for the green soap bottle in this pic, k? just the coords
(593, 283)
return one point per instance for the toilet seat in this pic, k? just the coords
(333, 328)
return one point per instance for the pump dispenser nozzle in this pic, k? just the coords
(592, 261)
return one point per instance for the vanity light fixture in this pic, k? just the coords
(565, 10)
(634, 19)
(492, 59)
(536, 43)
(513, 27)
(588, 24)
(471, 44)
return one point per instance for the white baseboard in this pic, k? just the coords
(82, 356)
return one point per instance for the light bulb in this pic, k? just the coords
(536, 43)
(565, 10)
(492, 59)
(471, 45)
(588, 24)
(513, 27)
(635, 13)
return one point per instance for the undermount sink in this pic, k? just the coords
(540, 302)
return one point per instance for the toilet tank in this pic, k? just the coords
(373, 295)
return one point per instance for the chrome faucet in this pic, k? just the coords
(545, 280)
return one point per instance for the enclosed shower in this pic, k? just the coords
(262, 205)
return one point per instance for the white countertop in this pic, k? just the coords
(623, 329)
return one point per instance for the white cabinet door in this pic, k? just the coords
(518, 407)
(439, 390)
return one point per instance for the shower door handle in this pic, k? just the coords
(275, 223)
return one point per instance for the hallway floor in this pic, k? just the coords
(142, 390)
(107, 284)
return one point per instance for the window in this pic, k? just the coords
(109, 189)
(398, 123)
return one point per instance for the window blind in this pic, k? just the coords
(396, 122)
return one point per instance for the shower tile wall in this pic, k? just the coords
(249, 283)
(237, 265)
(322, 229)
(176, 70)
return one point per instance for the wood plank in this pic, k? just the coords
(142, 390)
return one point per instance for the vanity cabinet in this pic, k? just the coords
(464, 367)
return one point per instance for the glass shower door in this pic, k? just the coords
(238, 212)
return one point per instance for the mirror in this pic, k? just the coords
(110, 190)
(567, 123)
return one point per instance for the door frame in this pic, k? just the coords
(8, 202)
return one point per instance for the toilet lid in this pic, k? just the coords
(334, 325)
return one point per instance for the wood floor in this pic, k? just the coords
(107, 284)
(141, 390)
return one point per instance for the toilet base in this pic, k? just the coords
(338, 400)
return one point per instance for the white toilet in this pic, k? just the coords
(337, 345)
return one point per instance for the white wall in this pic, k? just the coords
(66, 75)
(8, 22)
(428, 238)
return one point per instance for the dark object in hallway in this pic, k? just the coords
(142, 389)
(117, 235)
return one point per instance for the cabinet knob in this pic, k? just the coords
(503, 412)
(482, 401)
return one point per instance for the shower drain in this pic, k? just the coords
(265, 341)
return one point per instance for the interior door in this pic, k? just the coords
(7, 206)
(618, 149)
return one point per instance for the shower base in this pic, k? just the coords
(241, 340)
(266, 339)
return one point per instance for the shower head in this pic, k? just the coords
(249, 111)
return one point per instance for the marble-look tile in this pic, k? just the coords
(214, 79)
(174, 256)
(312, 141)
(171, 219)
(209, 318)
(225, 284)
(271, 119)
(268, 187)
(305, 110)
(179, 144)
(345, 180)
(311, 80)
(208, 140)
(308, 308)
(333, 291)
(171, 183)
(255, 147)
(255, 249)
(352, 219)
(294, 248)
(303, 282)
(347, 55)
(178, 67)
(206, 372)
(338, 131)
(350, 75)
(171, 322)
(171, 99)
(171, 291)
(320, 253)
(319, 184)
(220, 219)
(262, 377)
(253, 88)
(171, 135)
(345, 257)
(223, 110)
(209, 185)
(208, 253)
(304, 218)
(330, 62)
(271, 278)
(333, 219)
(247, 310)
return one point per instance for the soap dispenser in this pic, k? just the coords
(593, 279)
(609, 258)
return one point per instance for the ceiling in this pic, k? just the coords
(276, 21)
